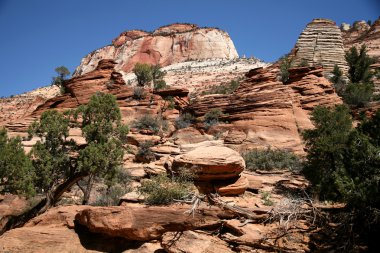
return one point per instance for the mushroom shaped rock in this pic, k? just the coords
(211, 163)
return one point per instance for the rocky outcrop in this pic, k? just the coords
(266, 112)
(166, 45)
(362, 33)
(145, 224)
(103, 79)
(320, 44)
(211, 163)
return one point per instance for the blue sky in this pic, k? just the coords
(39, 35)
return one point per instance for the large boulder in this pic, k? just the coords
(147, 223)
(211, 163)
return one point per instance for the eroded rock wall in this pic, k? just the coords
(165, 46)
(321, 44)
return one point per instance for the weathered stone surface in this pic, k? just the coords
(266, 112)
(189, 135)
(211, 163)
(321, 43)
(167, 45)
(146, 223)
(137, 139)
(148, 247)
(193, 241)
(232, 187)
(79, 90)
(11, 205)
(41, 239)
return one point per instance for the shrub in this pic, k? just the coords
(160, 189)
(111, 196)
(139, 93)
(303, 63)
(213, 117)
(358, 94)
(338, 81)
(268, 159)
(265, 196)
(143, 73)
(184, 120)
(147, 122)
(171, 103)
(285, 64)
(223, 88)
(144, 153)
(159, 84)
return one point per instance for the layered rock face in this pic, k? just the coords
(165, 46)
(266, 112)
(361, 33)
(321, 44)
(103, 79)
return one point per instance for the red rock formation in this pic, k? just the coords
(320, 44)
(145, 224)
(166, 45)
(361, 33)
(211, 163)
(264, 111)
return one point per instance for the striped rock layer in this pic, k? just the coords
(321, 44)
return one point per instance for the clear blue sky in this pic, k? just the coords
(39, 35)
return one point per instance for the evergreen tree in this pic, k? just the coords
(143, 73)
(359, 65)
(16, 171)
(343, 163)
(104, 133)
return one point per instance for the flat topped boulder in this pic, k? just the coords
(211, 163)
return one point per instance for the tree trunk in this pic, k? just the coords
(87, 190)
(50, 200)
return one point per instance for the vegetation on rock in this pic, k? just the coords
(145, 73)
(343, 162)
(285, 65)
(269, 159)
(17, 174)
(59, 80)
(184, 120)
(213, 117)
(359, 92)
(144, 153)
(227, 88)
(337, 80)
(161, 189)
(150, 123)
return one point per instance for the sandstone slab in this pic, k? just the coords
(211, 163)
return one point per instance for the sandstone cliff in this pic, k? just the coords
(321, 43)
(167, 45)
(361, 33)
(266, 112)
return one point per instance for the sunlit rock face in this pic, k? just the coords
(320, 43)
(165, 46)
